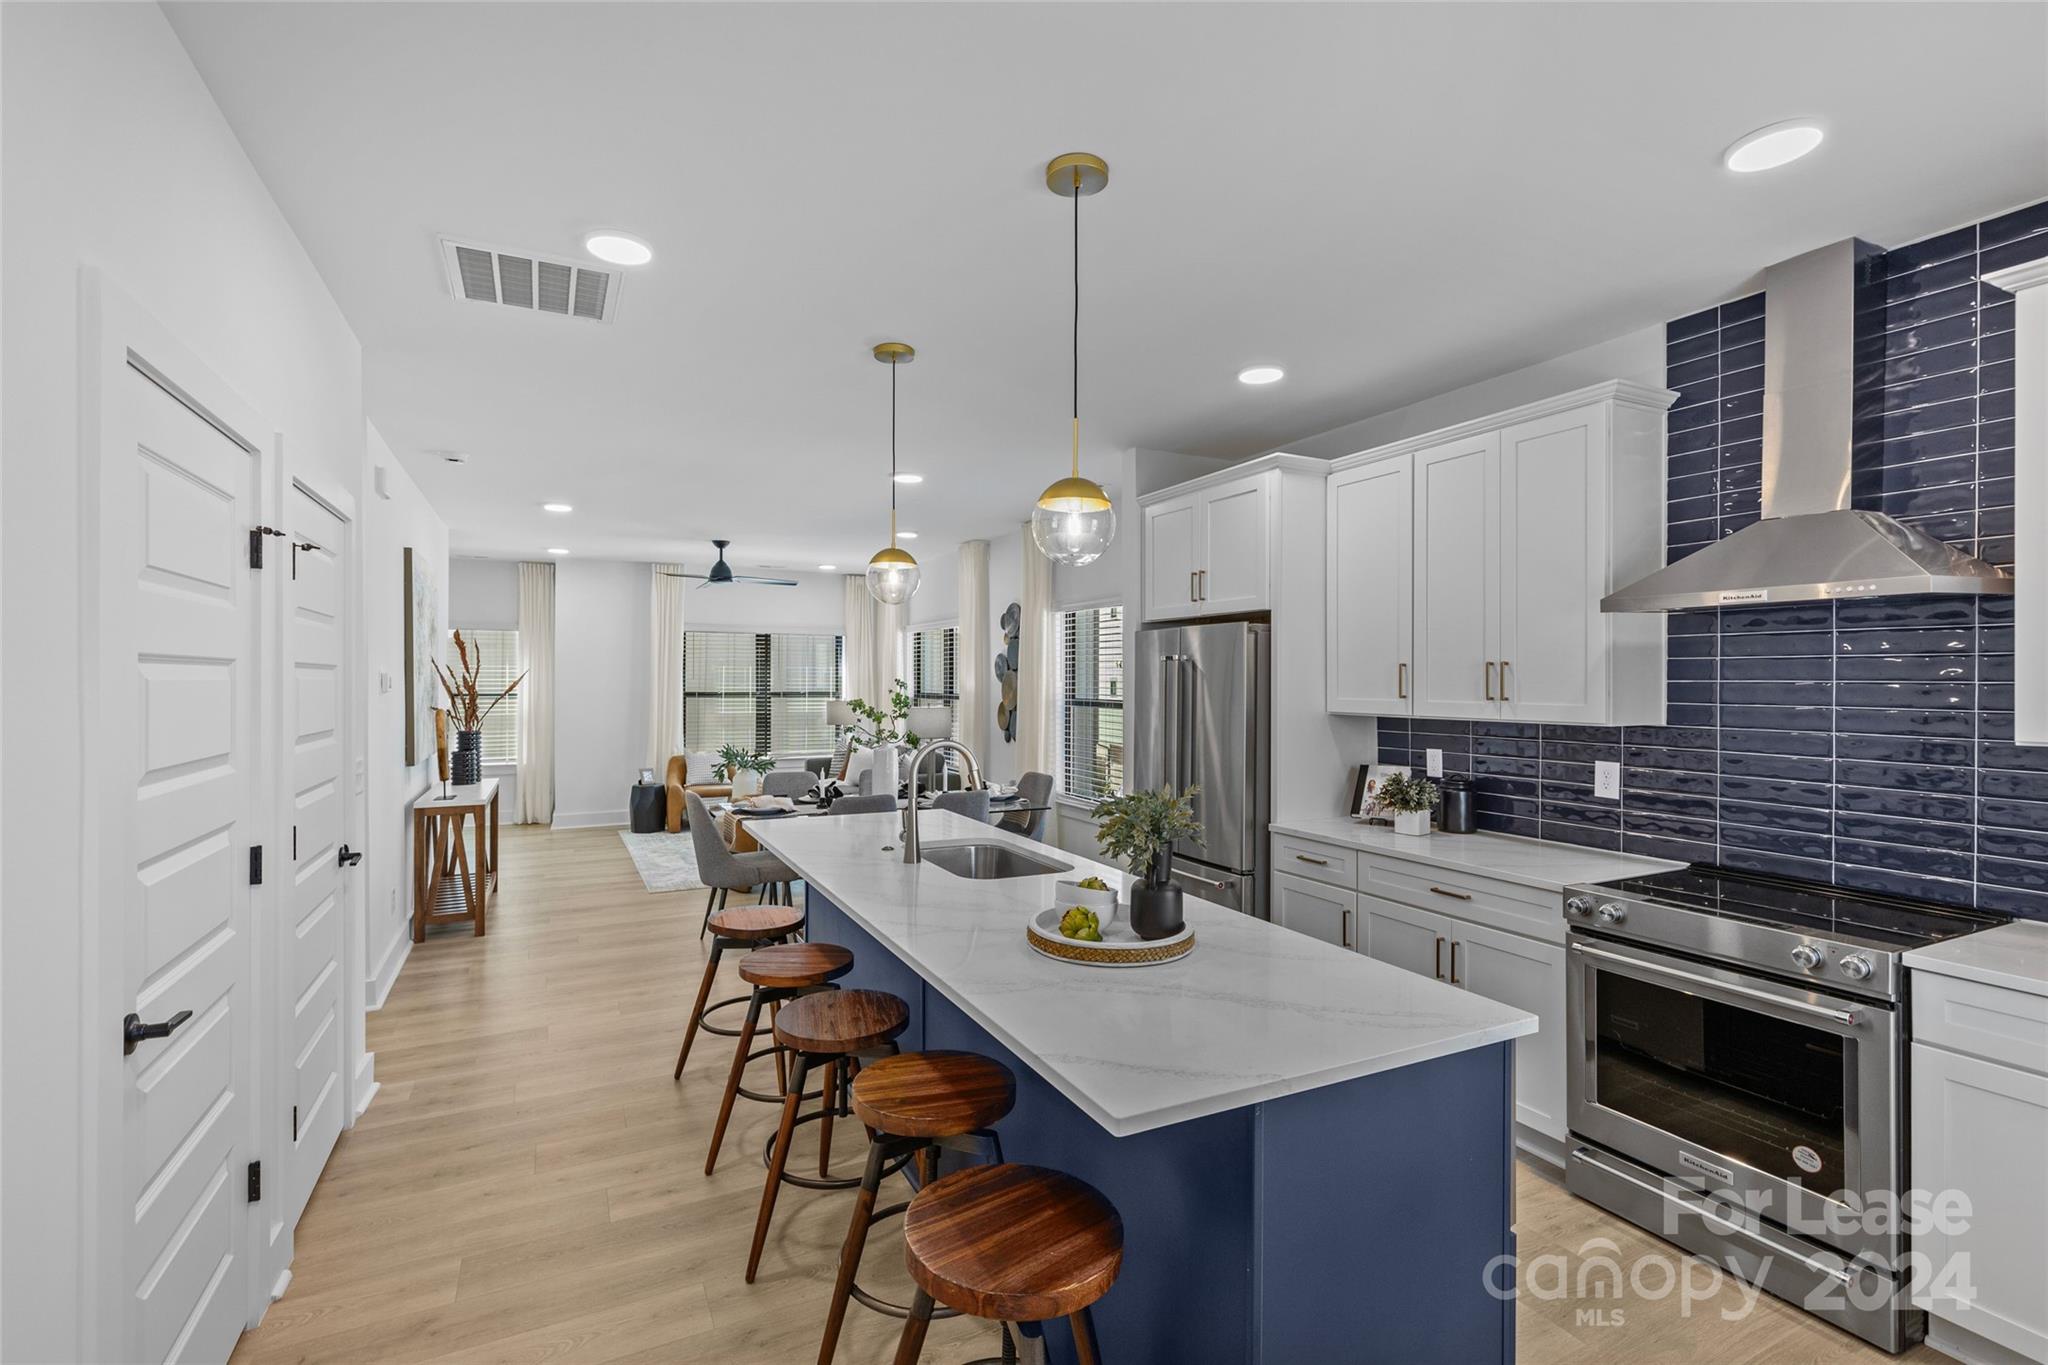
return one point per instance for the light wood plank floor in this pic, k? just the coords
(528, 1185)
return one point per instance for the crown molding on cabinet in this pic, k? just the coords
(1306, 464)
(1625, 391)
(2014, 278)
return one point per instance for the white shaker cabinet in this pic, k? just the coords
(2028, 284)
(1417, 940)
(1326, 912)
(1457, 568)
(1208, 549)
(1528, 974)
(1171, 557)
(1370, 604)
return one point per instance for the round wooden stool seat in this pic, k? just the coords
(835, 1023)
(757, 923)
(933, 1094)
(1013, 1242)
(793, 966)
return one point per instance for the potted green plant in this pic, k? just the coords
(1139, 830)
(743, 769)
(883, 731)
(1411, 799)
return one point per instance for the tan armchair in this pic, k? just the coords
(679, 782)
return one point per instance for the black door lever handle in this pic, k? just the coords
(347, 858)
(133, 1030)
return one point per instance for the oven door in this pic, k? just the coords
(1783, 1101)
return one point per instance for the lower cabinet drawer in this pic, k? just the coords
(1991, 1022)
(1320, 862)
(1329, 913)
(1462, 893)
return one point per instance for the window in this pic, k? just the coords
(933, 681)
(498, 651)
(765, 693)
(1092, 702)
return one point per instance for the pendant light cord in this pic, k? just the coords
(1077, 322)
(892, 453)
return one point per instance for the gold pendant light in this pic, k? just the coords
(1074, 521)
(892, 573)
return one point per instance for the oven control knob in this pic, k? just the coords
(1581, 906)
(1612, 913)
(1808, 956)
(1856, 967)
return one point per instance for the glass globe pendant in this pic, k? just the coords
(1074, 521)
(893, 573)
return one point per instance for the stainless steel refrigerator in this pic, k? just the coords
(1203, 720)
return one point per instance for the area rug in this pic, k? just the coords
(667, 862)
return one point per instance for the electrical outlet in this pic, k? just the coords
(1607, 781)
(1435, 759)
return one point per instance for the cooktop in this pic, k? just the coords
(1809, 907)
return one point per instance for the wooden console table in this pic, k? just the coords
(443, 871)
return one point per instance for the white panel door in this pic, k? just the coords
(1528, 974)
(1553, 568)
(1412, 939)
(1234, 537)
(181, 622)
(1325, 912)
(1369, 613)
(1171, 558)
(316, 898)
(1457, 535)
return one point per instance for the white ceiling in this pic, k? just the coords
(1388, 201)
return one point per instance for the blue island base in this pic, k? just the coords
(1356, 1222)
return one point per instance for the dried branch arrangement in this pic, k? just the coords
(460, 683)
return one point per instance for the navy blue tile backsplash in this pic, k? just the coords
(1862, 743)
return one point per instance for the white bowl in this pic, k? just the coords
(1067, 895)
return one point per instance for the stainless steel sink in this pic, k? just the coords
(988, 861)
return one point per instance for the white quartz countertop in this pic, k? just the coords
(1253, 1013)
(1532, 862)
(2014, 956)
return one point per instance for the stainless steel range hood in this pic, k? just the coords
(1811, 545)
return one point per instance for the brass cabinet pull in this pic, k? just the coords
(1345, 932)
(1503, 679)
(1401, 681)
(1489, 681)
(1454, 963)
(1202, 577)
(1304, 858)
(1439, 957)
(1454, 895)
(1192, 595)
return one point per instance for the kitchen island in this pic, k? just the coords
(1311, 1150)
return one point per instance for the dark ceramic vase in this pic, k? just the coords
(468, 767)
(1155, 902)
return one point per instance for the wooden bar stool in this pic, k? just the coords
(913, 1105)
(748, 926)
(778, 973)
(1013, 1243)
(834, 1030)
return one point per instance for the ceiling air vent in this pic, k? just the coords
(524, 279)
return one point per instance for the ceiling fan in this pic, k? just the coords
(721, 572)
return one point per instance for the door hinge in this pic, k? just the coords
(255, 864)
(256, 534)
(295, 1123)
(255, 1182)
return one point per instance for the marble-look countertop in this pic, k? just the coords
(2014, 956)
(1253, 1013)
(1532, 862)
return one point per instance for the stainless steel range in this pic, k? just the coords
(1735, 1077)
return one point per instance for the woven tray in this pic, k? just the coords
(1119, 947)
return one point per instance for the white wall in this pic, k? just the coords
(392, 523)
(115, 157)
(601, 666)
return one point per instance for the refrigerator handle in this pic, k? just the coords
(1185, 683)
(1169, 737)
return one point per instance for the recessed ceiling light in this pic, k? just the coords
(908, 478)
(1771, 147)
(557, 550)
(618, 249)
(1261, 374)
(828, 568)
(556, 507)
(906, 535)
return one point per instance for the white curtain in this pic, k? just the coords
(537, 694)
(874, 644)
(972, 674)
(1037, 668)
(665, 666)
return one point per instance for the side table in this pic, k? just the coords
(649, 807)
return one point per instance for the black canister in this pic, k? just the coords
(1454, 805)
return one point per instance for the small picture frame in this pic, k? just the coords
(1365, 786)
(647, 776)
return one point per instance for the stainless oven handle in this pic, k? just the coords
(1750, 992)
(1705, 1209)
(1205, 881)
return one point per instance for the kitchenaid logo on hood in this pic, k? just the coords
(1744, 595)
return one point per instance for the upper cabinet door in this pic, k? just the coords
(1234, 539)
(1553, 568)
(1457, 535)
(1370, 605)
(1172, 558)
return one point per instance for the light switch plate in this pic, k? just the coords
(1607, 781)
(1435, 759)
